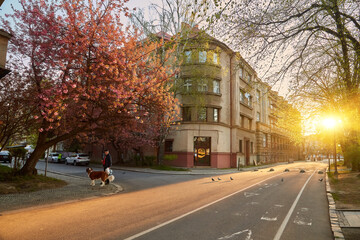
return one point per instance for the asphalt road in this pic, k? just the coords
(255, 205)
(130, 181)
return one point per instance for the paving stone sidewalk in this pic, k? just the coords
(78, 188)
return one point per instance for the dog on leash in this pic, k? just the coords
(93, 175)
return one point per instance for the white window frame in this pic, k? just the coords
(188, 56)
(215, 58)
(264, 140)
(202, 85)
(216, 86)
(216, 115)
(202, 56)
(188, 85)
(258, 93)
(241, 73)
(242, 97)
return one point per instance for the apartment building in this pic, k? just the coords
(228, 114)
(4, 38)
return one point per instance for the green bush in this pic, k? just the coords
(170, 157)
(149, 160)
(352, 154)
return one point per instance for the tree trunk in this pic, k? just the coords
(41, 146)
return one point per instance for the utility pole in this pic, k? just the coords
(335, 162)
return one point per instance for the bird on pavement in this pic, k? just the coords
(282, 179)
(213, 179)
(231, 178)
(219, 178)
(320, 179)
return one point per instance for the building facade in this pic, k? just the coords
(228, 113)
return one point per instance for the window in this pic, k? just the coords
(202, 56)
(265, 140)
(202, 114)
(250, 124)
(251, 147)
(242, 97)
(215, 58)
(258, 117)
(202, 85)
(248, 77)
(216, 86)
(240, 146)
(187, 56)
(241, 73)
(169, 145)
(271, 105)
(258, 96)
(187, 85)
(186, 114)
(249, 99)
(216, 115)
(242, 119)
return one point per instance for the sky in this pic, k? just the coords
(6, 6)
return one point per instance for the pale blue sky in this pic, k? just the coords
(6, 6)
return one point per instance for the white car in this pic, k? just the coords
(54, 157)
(78, 158)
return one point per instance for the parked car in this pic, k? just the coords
(78, 158)
(54, 157)
(5, 156)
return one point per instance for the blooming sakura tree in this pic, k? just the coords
(85, 71)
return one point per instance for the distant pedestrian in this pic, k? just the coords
(59, 157)
(107, 162)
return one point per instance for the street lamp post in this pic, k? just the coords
(330, 123)
(335, 161)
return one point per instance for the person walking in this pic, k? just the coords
(107, 162)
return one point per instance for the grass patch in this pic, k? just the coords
(335, 196)
(11, 183)
(168, 168)
(332, 178)
(346, 191)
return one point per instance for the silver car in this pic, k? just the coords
(5, 156)
(78, 159)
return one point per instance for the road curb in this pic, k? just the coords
(334, 219)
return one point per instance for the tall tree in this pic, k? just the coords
(84, 70)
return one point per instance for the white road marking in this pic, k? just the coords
(196, 210)
(301, 221)
(249, 194)
(269, 219)
(271, 215)
(286, 220)
(238, 233)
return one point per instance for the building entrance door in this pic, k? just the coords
(202, 151)
(247, 152)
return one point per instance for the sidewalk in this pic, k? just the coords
(345, 224)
